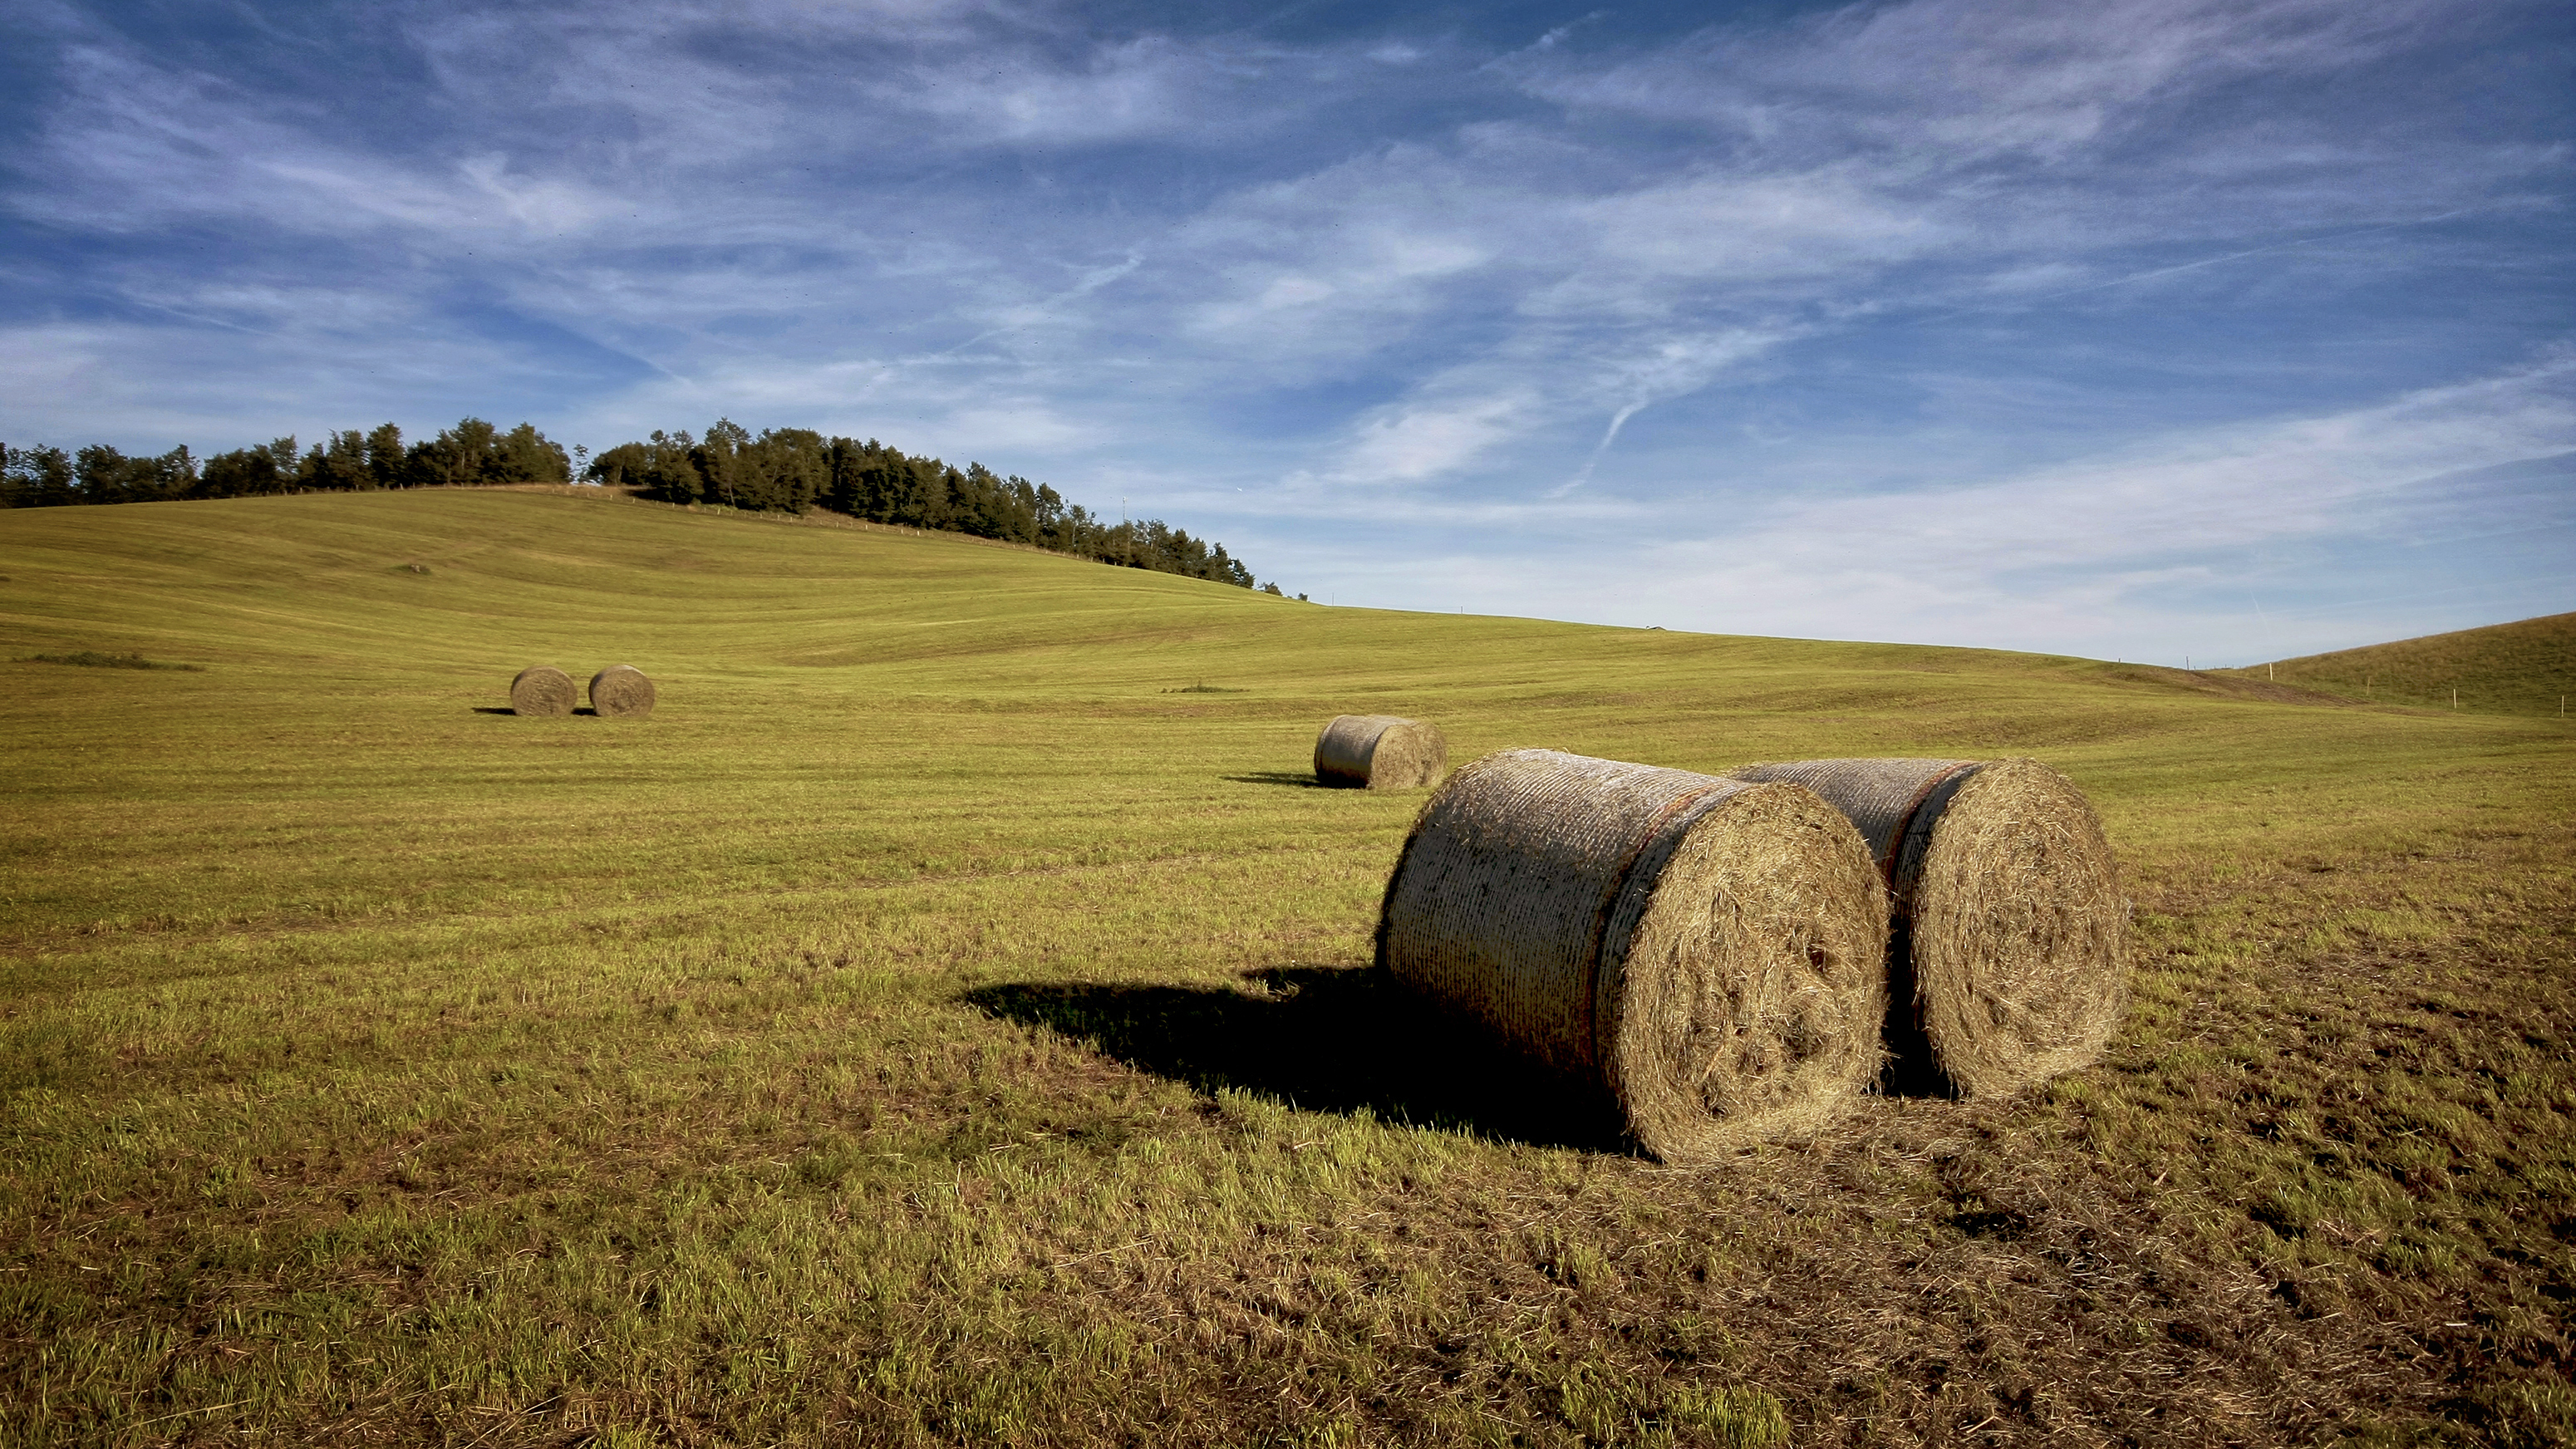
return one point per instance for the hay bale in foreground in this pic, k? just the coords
(2007, 955)
(1701, 954)
(1379, 752)
(542, 690)
(621, 690)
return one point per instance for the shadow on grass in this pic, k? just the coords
(93, 659)
(1325, 1039)
(1295, 778)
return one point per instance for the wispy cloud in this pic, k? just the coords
(2174, 500)
(2124, 553)
(1521, 299)
(137, 146)
(1148, 87)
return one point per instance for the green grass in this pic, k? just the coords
(2521, 668)
(943, 1022)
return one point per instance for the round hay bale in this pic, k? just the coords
(541, 690)
(621, 691)
(2007, 957)
(1701, 955)
(1379, 752)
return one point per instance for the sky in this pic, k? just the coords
(2143, 329)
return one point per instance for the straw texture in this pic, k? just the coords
(542, 690)
(2007, 958)
(1379, 752)
(621, 690)
(1701, 954)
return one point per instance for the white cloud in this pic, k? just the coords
(1970, 77)
(1518, 296)
(2090, 553)
(134, 146)
(1408, 443)
(1457, 420)
(1144, 87)
(2228, 488)
(1829, 223)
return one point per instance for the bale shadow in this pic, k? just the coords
(1321, 1038)
(1294, 778)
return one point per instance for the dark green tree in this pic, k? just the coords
(251, 472)
(339, 466)
(719, 460)
(791, 469)
(37, 477)
(105, 475)
(385, 457)
(785, 469)
(524, 455)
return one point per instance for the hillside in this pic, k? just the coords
(2527, 667)
(946, 1020)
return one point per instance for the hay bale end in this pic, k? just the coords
(621, 692)
(1700, 956)
(541, 690)
(2007, 954)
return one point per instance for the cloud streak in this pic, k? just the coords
(1519, 299)
(2100, 554)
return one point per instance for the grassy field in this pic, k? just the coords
(2521, 668)
(945, 1021)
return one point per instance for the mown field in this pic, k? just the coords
(945, 1020)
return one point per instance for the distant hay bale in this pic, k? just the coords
(2007, 954)
(621, 691)
(542, 690)
(1701, 955)
(1379, 752)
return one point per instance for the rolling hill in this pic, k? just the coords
(2528, 667)
(947, 1019)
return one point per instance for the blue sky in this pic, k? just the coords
(2140, 330)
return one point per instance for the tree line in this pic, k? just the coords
(471, 453)
(784, 469)
(795, 469)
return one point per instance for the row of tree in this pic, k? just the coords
(794, 469)
(786, 469)
(473, 452)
